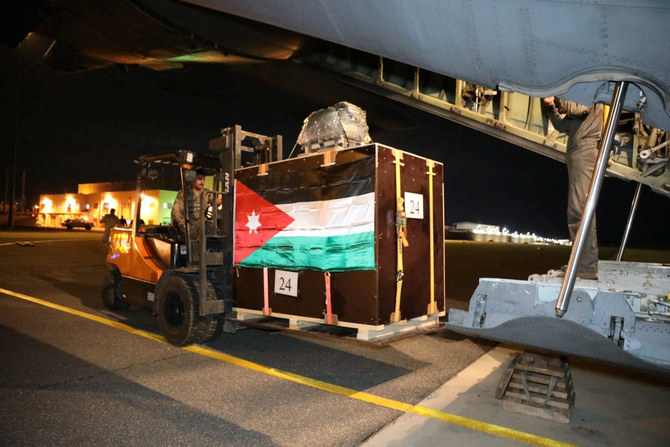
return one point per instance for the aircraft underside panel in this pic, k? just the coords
(622, 319)
(531, 47)
(640, 152)
(485, 65)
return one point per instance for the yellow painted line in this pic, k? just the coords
(472, 424)
(97, 319)
(41, 241)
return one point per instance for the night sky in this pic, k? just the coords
(88, 127)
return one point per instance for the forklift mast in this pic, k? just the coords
(237, 148)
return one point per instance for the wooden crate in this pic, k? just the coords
(361, 298)
(538, 385)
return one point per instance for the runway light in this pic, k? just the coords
(492, 233)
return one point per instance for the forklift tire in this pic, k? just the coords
(177, 304)
(112, 292)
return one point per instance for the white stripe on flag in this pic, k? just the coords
(337, 217)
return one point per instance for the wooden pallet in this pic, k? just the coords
(538, 385)
(363, 331)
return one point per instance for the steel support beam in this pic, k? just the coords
(592, 198)
(629, 224)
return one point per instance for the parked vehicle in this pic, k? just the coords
(77, 223)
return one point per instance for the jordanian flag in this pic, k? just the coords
(312, 219)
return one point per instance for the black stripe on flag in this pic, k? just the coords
(341, 180)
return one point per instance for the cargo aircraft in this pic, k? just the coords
(482, 63)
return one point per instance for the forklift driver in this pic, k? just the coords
(179, 214)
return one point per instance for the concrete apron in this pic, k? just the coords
(612, 407)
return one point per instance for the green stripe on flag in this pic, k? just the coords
(326, 254)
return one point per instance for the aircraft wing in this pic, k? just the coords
(157, 34)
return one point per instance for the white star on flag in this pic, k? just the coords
(253, 222)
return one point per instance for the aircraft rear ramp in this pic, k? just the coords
(623, 318)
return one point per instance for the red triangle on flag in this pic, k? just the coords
(256, 221)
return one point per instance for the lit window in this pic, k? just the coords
(47, 205)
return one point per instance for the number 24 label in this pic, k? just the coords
(414, 205)
(286, 283)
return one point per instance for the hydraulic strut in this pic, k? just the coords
(591, 201)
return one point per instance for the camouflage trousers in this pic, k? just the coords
(581, 166)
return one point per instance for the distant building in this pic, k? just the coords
(94, 200)
(491, 233)
(471, 226)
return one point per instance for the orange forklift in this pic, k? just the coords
(185, 277)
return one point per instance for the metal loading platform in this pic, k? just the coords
(622, 318)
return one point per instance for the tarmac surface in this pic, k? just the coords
(612, 407)
(75, 373)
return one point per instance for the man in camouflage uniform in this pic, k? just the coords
(180, 215)
(584, 127)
